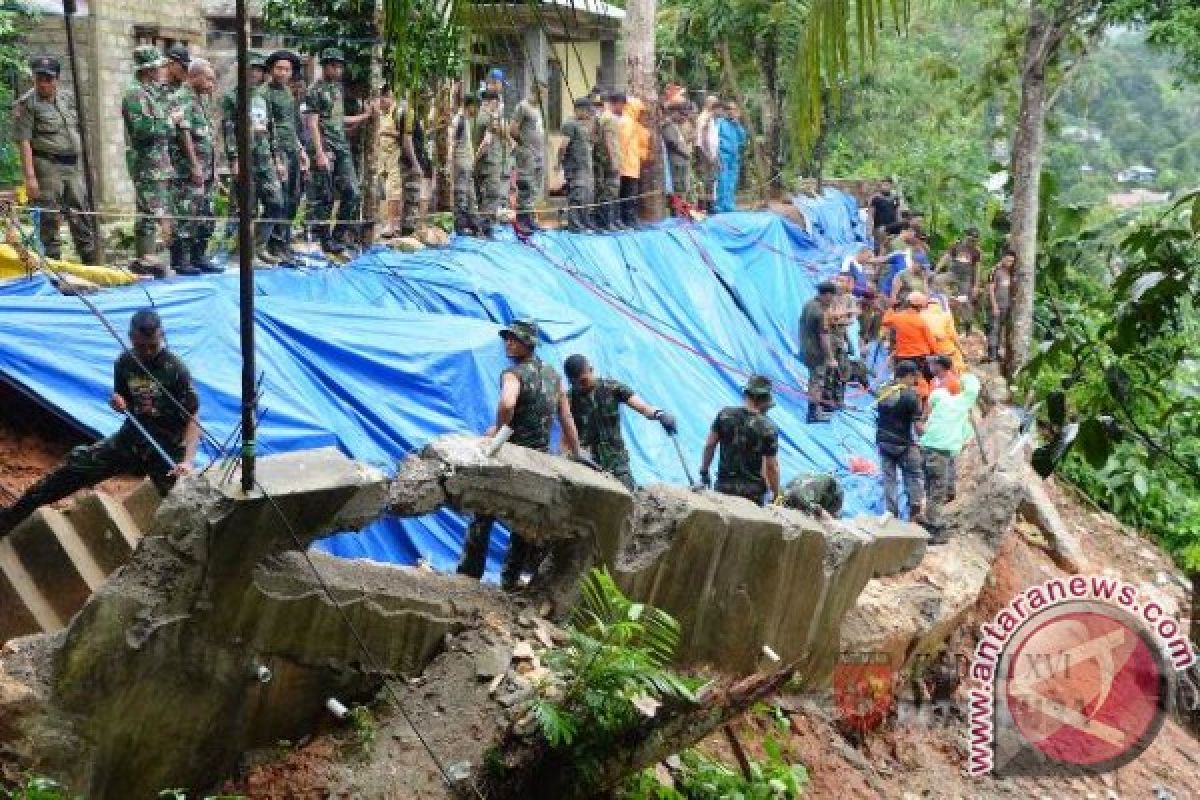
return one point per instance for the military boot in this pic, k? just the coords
(179, 258)
(144, 262)
(200, 260)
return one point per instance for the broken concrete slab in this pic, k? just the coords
(106, 527)
(54, 555)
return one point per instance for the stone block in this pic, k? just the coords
(142, 504)
(23, 609)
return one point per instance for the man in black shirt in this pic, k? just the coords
(899, 413)
(152, 385)
(885, 206)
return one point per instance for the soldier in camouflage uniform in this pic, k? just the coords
(491, 156)
(178, 62)
(606, 169)
(814, 493)
(408, 127)
(527, 131)
(149, 126)
(462, 154)
(575, 159)
(679, 149)
(332, 159)
(749, 440)
(47, 134)
(266, 190)
(530, 395)
(193, 152)
(294, 165)
(596, 409)
(161, 397)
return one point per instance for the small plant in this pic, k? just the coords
(611, 674)
(364, 727)
(38, 788)
(703, 778)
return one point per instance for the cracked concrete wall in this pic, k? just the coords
(735, 575)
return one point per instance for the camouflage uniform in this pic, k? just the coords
(606, 171)
(267, 192)
(746, 437)
(531, 423)
(578, 171)
(462, 156)
(528, 155)
(835, 379)
(679, 156)
(285, 143)
(126, 452)
(148, 132)
(597, 415)
(407, 125)
(489, 167)
(326, 101)
(52, 130)
(810, 492)
(190, 200)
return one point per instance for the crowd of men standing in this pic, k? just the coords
(301, 148)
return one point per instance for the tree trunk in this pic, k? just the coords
(729, 79)
(772, 114)
(1028, 141)
(370, 177)
(443, 180)
(641, 78)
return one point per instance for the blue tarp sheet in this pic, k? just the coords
(380, 356)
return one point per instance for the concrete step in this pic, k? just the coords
(52, 562)
(106, 528)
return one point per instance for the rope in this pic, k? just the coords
(368, 655)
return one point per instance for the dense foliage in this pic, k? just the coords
(699, 777)
(1120, 359)
(12, 63)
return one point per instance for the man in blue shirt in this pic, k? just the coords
(731, 141)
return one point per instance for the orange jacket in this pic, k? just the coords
(913, 337)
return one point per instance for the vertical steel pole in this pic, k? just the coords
(245, 246)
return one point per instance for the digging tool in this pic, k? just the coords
(153, 442)
(682, 460)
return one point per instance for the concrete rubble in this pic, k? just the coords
(156, 681)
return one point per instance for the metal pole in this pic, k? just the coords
(245, 245)
(69, 9)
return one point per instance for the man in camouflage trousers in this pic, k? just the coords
(749, 440)
(575, 159)
(46, 129)
(292, 161)
(491, 156)
(412, 166)
(596, 409)
(606, 168)
(527, 131)
(266, 191)
(679, 152)
(149, 126)
(160, 397)
(193, 152)
(462, 155)
(531, 395)
(332, 160)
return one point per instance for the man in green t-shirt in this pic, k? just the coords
(947, 429)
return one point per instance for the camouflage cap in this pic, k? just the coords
(759, 386)
(524, 331)
(332, 54)
(283, 55)
(179, 52)
(147, 56)
(258, 59)
(45, 65)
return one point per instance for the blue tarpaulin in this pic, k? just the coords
(382, 355)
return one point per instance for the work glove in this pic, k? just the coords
(667, 420)
(705, 479)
